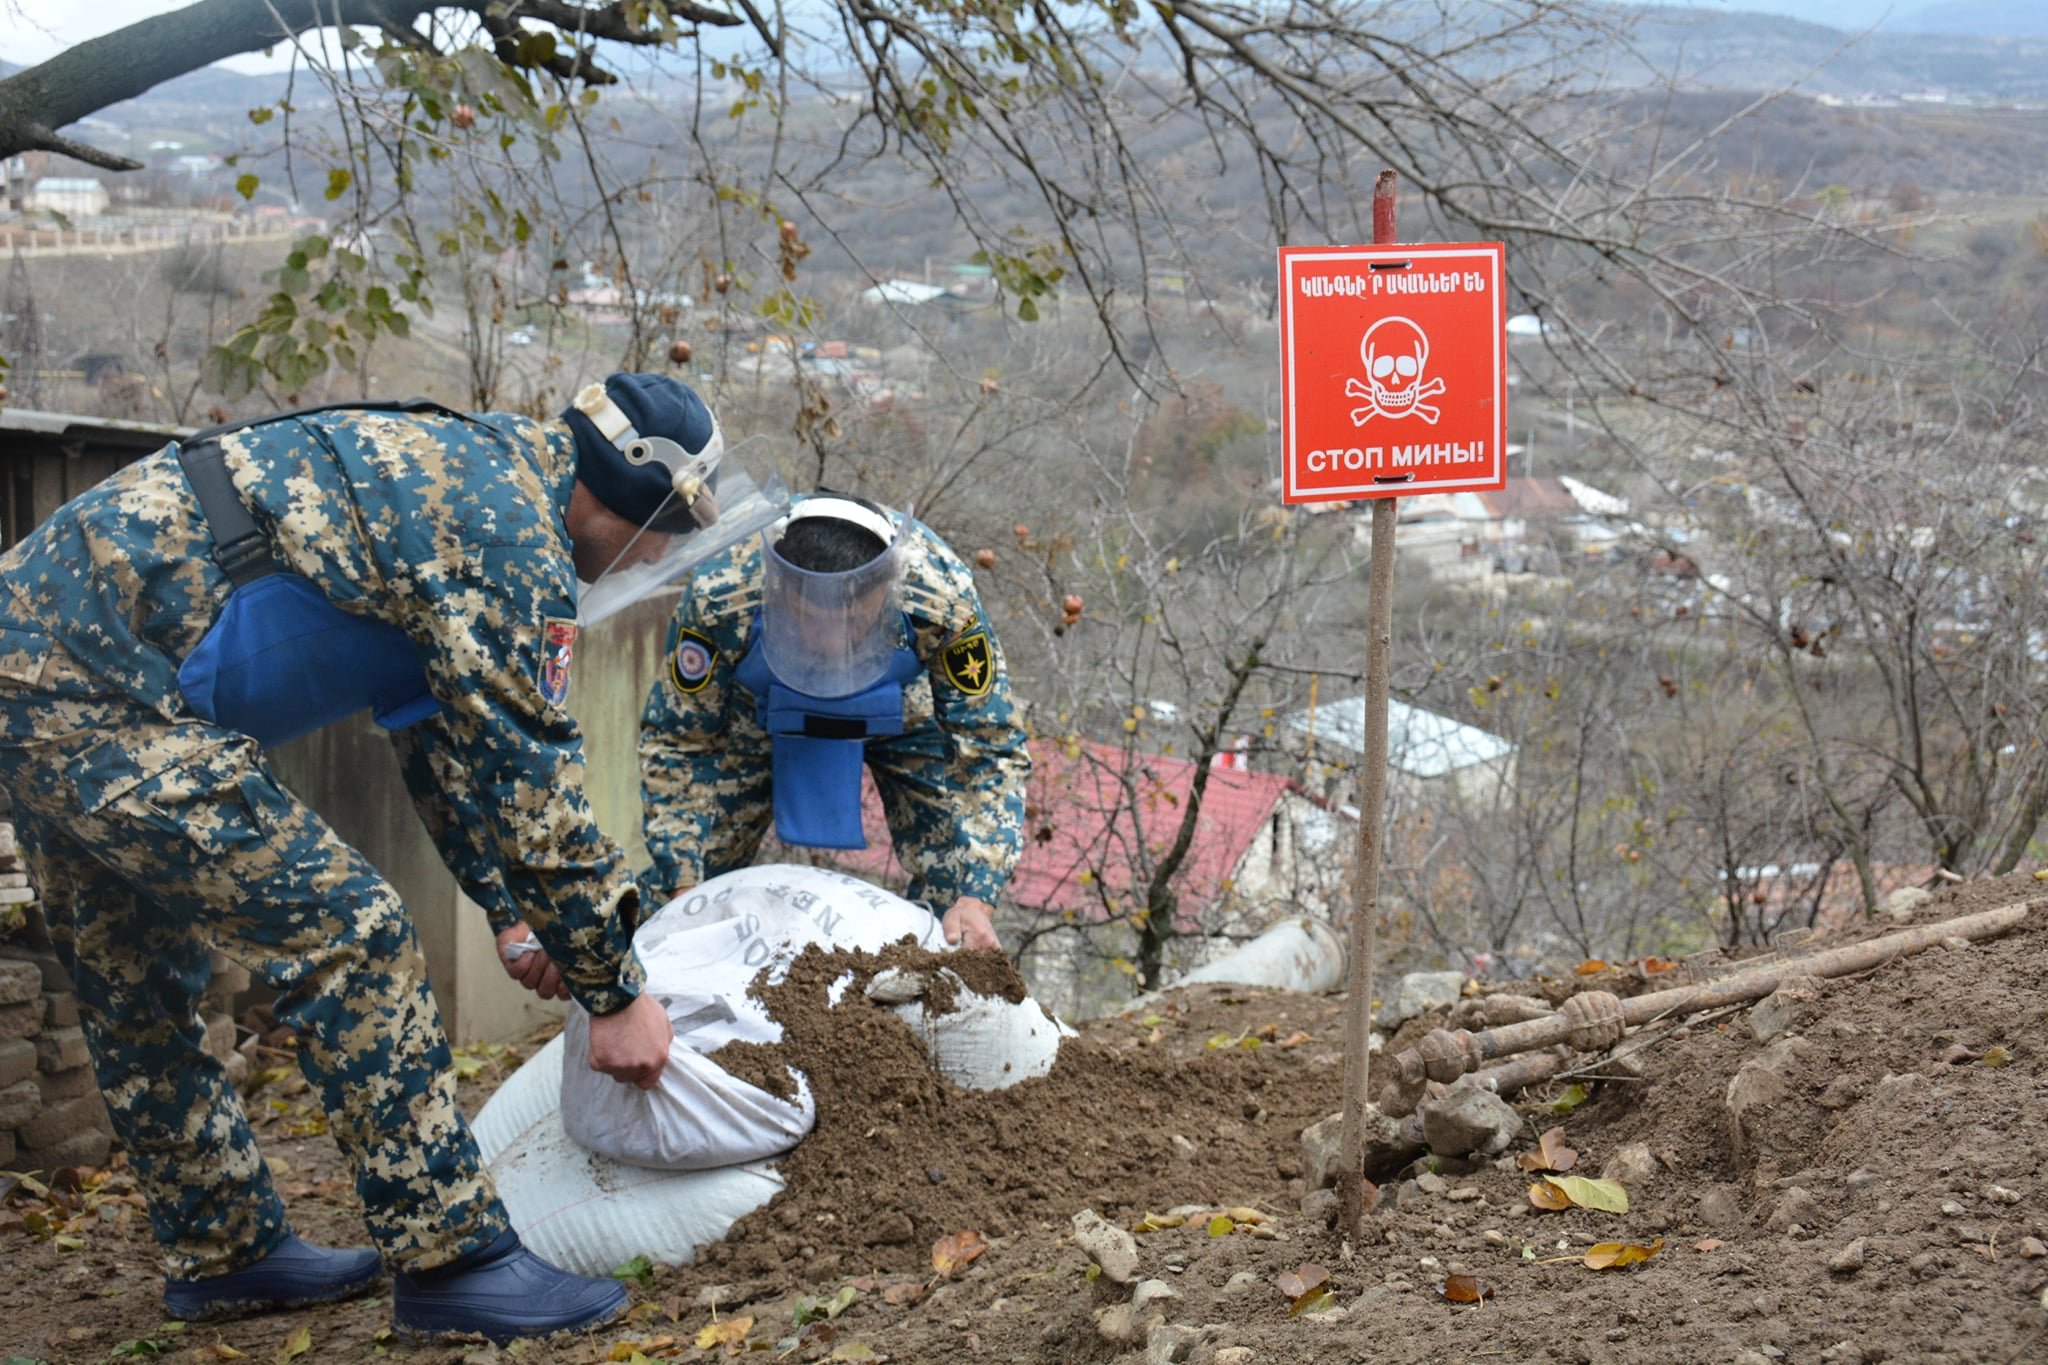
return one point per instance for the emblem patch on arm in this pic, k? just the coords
(969, 664)
(557, 646)
(689, 664)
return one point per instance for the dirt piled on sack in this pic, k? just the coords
(1883, 1196)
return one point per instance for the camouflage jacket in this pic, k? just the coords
(450, 530)
(952, 784)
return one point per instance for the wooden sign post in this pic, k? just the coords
(1393, 368)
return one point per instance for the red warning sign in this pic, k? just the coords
(1393, 370)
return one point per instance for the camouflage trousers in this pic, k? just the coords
(153, 843)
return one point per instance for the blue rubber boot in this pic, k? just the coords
(503, 1292)
(294, 1274)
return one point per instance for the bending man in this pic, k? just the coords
(845, 635)
(252, 584)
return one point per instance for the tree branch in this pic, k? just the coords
(102, 71)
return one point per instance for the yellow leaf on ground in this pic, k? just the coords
(1591, 967)
(1315, 1301)
(1605, 1195)
(1155, 1222)
(952, 1254)
(731, 1332)
(1242, 1214)
(1548, 1196)
(300, 1342)
(856, 1350)
(220, 1350)
(1222, 1225)
(1605, 1255)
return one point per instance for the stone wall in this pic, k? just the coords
(51, 1114)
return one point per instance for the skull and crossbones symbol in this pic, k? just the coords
(1395, 352)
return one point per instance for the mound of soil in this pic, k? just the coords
(1871, 1183)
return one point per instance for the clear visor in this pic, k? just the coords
(743, 509)
(830, 634)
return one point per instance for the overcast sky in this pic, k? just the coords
(33, 30)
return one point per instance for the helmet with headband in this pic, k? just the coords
(648, 447)
(830, 622)
(650, 450)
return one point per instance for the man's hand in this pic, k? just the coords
(527, 963)
(971, 923)
(631, 1045)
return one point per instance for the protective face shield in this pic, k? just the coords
(831, 634)
(682, 494)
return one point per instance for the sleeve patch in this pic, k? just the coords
(690, 663)
(558, 646)
(969, 664)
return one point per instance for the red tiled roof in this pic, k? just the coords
(1108, 813)
(1113, 813)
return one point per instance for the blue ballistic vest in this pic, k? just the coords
(816, 746)
(281, 660)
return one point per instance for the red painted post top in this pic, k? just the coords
(1393, 370)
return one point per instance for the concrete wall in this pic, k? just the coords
(348, 773)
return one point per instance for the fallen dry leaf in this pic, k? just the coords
(299, 1343)
(1607, 1255)
(1550, 1155)
(1651, 966)
(1463, 1289)
(951, 1255)
(1546, 1196)
(731, 1332)
(903, 1293)
(1997, 1055)
(1605, 1195)
(1592, 966)
(1315, 1301)
(1300, 1280)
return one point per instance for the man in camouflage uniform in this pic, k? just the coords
(158, 834)
(952, 782)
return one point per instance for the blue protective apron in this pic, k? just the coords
(817, 746)
(281, 660)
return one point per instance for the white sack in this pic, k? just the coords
(985, 1042)
(701, 951)
(591, 1213)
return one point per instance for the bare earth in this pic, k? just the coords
(1891, 1204)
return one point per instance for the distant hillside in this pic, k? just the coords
(1746, 51)
(2014, 18)
(2027, 18)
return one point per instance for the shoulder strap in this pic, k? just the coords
(239, 545)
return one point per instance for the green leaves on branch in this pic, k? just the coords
(1030, 276)
(755, 92)
(313, 320)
